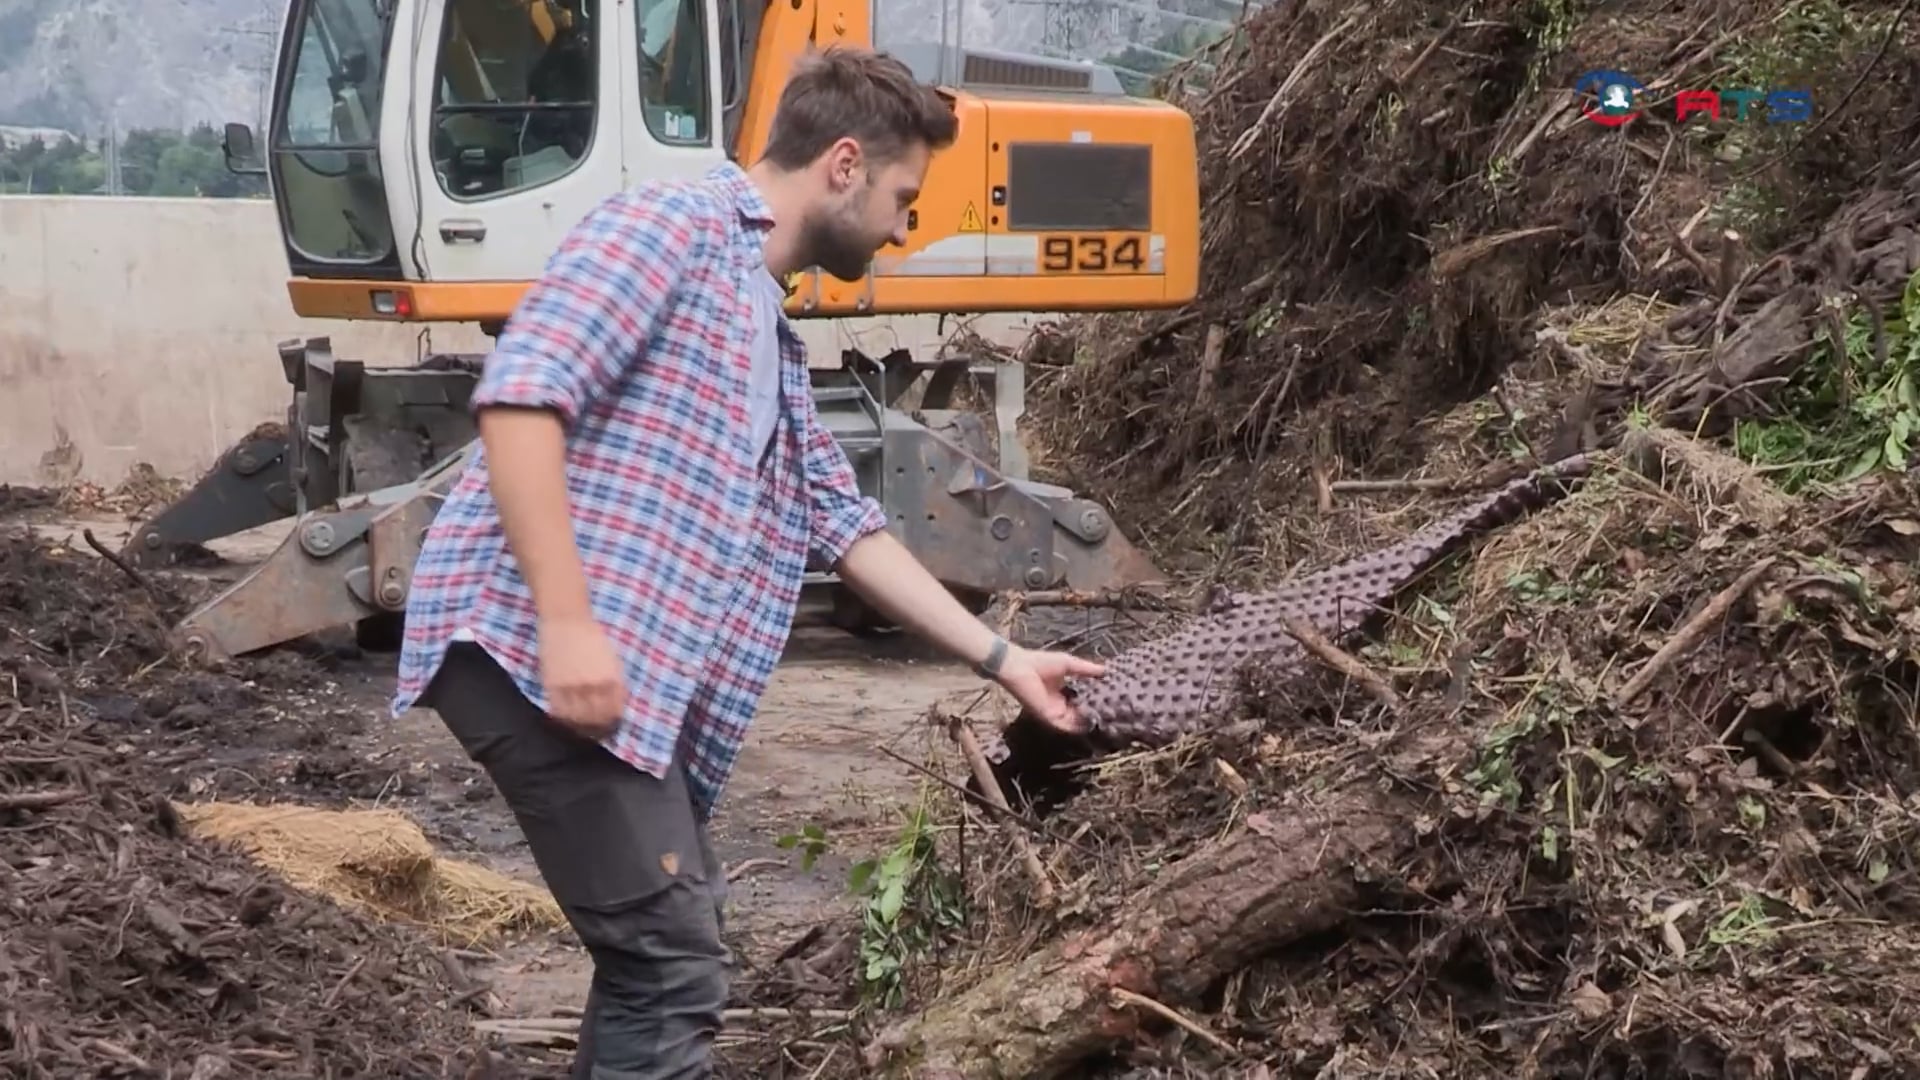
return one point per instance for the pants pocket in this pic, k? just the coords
(609, 841)
(603, 833)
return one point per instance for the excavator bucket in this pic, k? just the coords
(351, 428)
(336, 568)
(248, 487)
(349, 558)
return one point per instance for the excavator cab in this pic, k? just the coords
(450, 144)
(427, 156)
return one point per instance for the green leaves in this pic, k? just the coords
(1847, 412)
(811, 841)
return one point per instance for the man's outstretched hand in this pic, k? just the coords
(885, 574)
(1038, 680)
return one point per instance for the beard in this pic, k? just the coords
(834, 244)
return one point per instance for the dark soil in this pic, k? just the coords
(96, 641)
(17, 499)
(130, 949)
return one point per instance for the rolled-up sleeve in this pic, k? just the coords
(590, 315)
(840, 514)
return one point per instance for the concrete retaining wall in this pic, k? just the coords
(144, 330)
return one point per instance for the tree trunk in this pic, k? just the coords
(1287, 874)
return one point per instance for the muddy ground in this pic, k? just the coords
(811, 761)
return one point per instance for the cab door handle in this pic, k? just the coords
(462, 231)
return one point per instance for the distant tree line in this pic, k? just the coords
(151, 161)
(1140, 69)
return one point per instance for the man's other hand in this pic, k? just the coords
(1038, 679)
(586, 689)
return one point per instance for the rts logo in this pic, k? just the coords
(1611, 97)
(1613, 100)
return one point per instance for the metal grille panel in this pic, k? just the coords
(994, 71)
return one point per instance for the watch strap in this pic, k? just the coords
(996, 658)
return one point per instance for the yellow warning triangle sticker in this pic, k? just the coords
(970, 220)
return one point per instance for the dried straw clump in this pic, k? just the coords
(379, 862)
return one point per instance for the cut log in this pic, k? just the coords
(1286, 874)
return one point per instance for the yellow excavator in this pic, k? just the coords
(427, 156)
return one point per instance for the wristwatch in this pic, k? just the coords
(996, 656)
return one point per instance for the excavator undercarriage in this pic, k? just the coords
(369, 453)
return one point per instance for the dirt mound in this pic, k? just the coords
(82, 636)
(1392, 192)
(130, 950)
(127, 948)
(141, 492)
(15, 499)
(132, 945)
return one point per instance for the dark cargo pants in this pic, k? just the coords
(626, 857)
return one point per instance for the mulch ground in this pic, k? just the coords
(131, 949)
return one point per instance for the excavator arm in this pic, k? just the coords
(344, 567)
(976, 529)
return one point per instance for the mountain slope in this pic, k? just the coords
(87, 64)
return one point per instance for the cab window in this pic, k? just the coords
(675, 94)
(515, 94)
(325, 154)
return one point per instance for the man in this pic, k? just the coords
(605, 592)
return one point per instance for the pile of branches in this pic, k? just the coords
(1632, 789)
(1722, 359)
(1641, 801)
(1392, 194)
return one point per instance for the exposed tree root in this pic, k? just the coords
(1281, 876)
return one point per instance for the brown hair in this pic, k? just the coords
(844, 92)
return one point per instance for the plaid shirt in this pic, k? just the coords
(639, 336)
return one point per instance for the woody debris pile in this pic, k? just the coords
(127, 946)
(1550, 710)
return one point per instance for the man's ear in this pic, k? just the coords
(844, 159)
